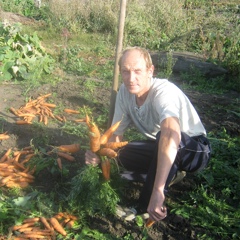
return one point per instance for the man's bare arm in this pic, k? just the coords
(167, 150)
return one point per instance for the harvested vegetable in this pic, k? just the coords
(35, 108)
(45, 223)
(4, 136)
(94, 135)
(4, 157)
(72, 148)
(106, 168)
(149, 222)
(59, 163)
(71, 111)
(57, 226)
(108, 152)
(107, 135)
(115, 145)
(66, 156)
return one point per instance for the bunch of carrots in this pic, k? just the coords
(43, 228)
(65, 152)
(99, 144)
(13, 172)
(36, 107)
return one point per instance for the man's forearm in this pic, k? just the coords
(167, 151)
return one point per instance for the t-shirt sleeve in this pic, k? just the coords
(167, 106)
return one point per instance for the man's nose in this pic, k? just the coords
(131, 76)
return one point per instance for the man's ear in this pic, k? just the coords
(151, 70)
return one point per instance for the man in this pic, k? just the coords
(161, 112)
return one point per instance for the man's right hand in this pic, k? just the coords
(91, 158)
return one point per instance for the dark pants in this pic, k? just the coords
(141, 157)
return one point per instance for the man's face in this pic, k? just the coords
(134, 72)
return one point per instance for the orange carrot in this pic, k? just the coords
(23, 152)
(45, 223)
(65, 221)
(71, 111)
(59, 118)
(66, 156)
(5, 173)
(106, 168)
(27, 158)
(149, 222)
(80, 120)
(51, 105)
(14, 111)
(115, 145)
(72, 148)
(26, 115)
(59, 163)
(31, 235)
(4, 165)
(4, 157)
(17, 227)
(26, 175)
(57, 226)
(36, 231)
(107, 152)
(18, 165)
(35, 219)
(45, 119)
(40, 118)
(87, 120)
(44, 96)
(13, 184)
(51, 115)
(70, 224)
(94, 135)
(23, 179)
(59, 215)
(6, 179)
(67, 215)
(4, 136)
(106, 136)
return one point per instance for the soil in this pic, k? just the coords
(216, 112)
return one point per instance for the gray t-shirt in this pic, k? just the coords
(164, 100)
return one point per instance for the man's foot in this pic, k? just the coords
(125, 213)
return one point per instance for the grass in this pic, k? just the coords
(81, 39)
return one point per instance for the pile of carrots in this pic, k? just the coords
(36, 107)
(43, 110)
(43, 228)
(99, 144)
(13, 172)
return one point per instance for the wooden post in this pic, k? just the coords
(117, 54)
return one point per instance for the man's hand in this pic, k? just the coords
(156, 209)
(91, 158)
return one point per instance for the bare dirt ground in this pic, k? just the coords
(216, 111)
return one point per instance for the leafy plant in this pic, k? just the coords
(89, 193)
(22, 56)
